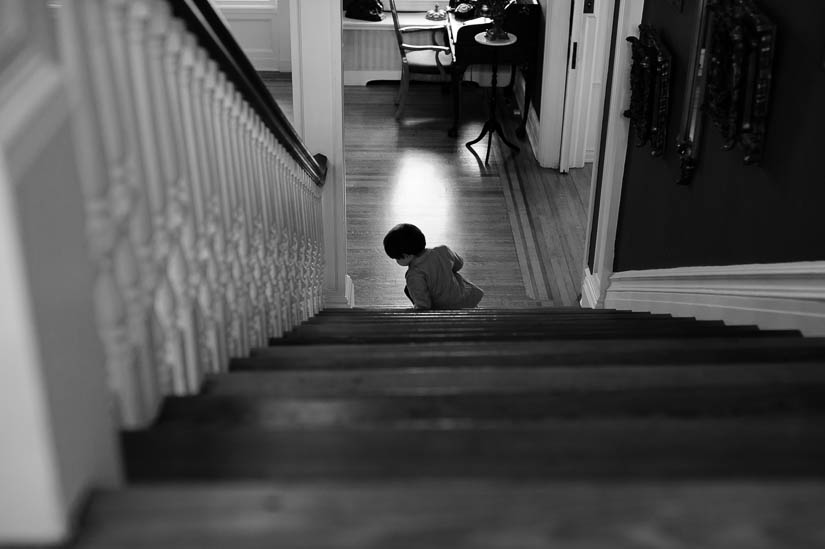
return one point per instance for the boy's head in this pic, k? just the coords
(403, 242)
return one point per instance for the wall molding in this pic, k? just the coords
(773, 296)
(256, 25)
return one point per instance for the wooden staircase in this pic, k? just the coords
(487, 428)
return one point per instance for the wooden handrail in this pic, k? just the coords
(208, 26)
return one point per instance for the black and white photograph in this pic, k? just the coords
(412, 274)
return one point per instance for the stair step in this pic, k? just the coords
(483, 325)
(649, 448)
(459, 515)
(541, 311)
(534, 353)
(434, 317)
(460, 380)
(483, 409)
(487, 321)
(569, 332)
(535, 312)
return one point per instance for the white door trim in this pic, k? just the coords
(572, 101)
(554, 75)
(594, 284)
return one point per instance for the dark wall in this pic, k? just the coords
(734, 214)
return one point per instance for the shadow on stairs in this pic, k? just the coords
(487, 428)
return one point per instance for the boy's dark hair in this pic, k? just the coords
(404, 239)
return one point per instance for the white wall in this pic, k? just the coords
(261, 27)
(57, 439)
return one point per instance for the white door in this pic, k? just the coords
(584, 93)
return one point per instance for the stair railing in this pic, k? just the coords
(205, 219)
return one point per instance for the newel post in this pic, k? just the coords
(318, 96)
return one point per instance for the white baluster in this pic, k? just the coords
(275, 237)
(213, 226)
(143, 53)
(223, 243)
(269, 190)
(180, 266)
(261, 230)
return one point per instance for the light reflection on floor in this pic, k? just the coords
(420, 195)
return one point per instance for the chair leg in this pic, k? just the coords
(402, 92)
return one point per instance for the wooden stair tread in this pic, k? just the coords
(537, 352)
(458, 515)
(580, 448)
(412, 318)
(521, 335)
(490, 408)
(353, 311)
(508, 326)
(520, 379)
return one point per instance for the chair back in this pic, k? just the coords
(398, 36)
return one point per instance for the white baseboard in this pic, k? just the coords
(360, 78)
(772, 296)
(591, 291)
(334, 300)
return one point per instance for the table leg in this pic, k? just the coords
(492, 124)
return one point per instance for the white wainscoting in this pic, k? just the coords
(773, 296)
(261, 27)
(371, 50)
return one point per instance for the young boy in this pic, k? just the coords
(432, 275)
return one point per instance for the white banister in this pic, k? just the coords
(205, 231)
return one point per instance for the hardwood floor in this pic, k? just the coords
(520, 228)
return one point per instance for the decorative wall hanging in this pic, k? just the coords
(731, 73)
(649, 89)
(739, 74)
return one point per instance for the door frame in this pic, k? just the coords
(608, 170)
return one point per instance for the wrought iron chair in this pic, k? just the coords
(431, 59)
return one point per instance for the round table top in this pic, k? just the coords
(481, 38)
